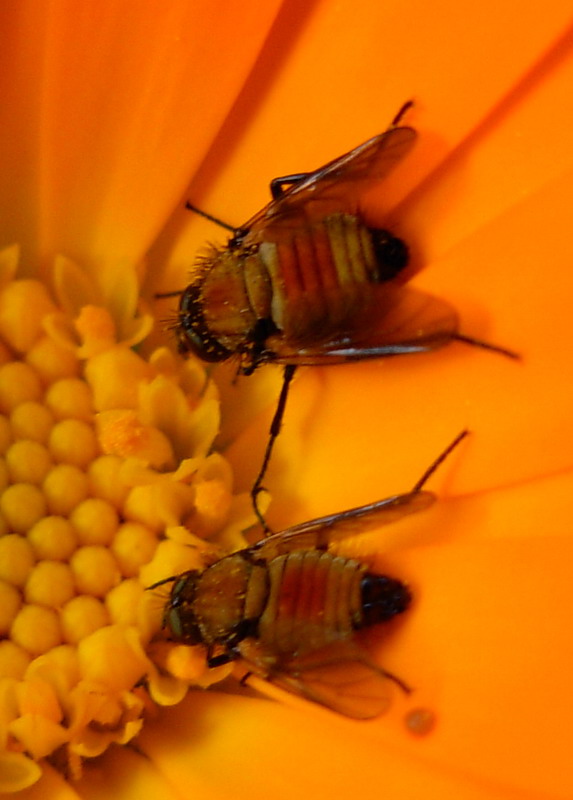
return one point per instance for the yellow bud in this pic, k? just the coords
(59, 668)
(19, 383)
(65, 486)
(53, 538)
(14, 660)
(50, 583)
(133, 546)
(22, 505)
(23, 303)
(160, 505)
(37, 696)
(31, 420)
(16, 559)
(95, 521)
(81, 617)
(171, 558)
(121, 433)
(95, 570)
(73, 442)
(96, 329)
(186, 663)
(39, 736)
(112, 656)
(70, 398)
(36, 629)
(212, 505)
(105, 480)
(28, 462)
(52, 361)
(114, 376)
(123, 601)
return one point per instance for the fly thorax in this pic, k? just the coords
(225, 301)
(219, 604)
(257, 283)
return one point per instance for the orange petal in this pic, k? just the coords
(131, 99)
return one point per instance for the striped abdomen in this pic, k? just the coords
(316, 598)
(318, 274)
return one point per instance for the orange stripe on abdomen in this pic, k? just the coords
(316, 263)
(312, 601)
(321, 257)
(312, 596)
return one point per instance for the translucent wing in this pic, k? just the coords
(337, 185)
(336, 527)
(395, 319)
(339, 677)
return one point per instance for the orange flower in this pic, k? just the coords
(137, 99)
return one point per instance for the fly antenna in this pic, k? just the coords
(211, 218)
(439, 460)
(162, 582)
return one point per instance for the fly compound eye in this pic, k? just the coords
(172, 621)
(179, 617)
(193, 332)
(391, 254)
(182, 625)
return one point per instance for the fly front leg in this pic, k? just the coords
(220, 659)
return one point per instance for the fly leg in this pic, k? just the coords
(504, 351)
(273, 433)
(219, 659)
(278, 184)
(421, 482)
(401, 112)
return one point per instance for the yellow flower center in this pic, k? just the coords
(106, 485)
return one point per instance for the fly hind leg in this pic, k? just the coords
(273, 433)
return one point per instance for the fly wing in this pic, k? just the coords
(339, 677)
(338, 185)
(335, 528)
(392, 320)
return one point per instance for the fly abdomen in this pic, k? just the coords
(326, 255)
(382, 598)
(313, 600)
(317, 273)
